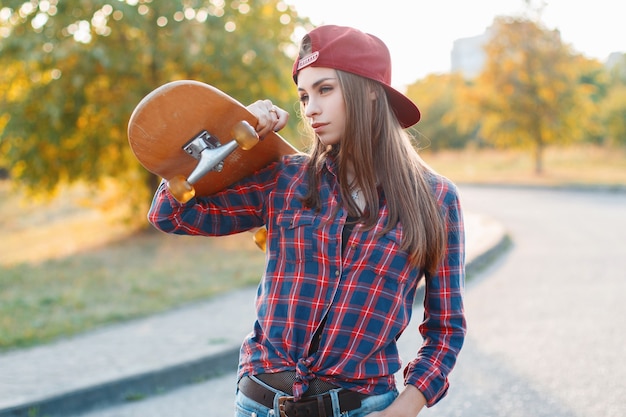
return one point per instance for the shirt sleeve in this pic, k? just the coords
(444, 326)
(235, 209)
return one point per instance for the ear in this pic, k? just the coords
(373, 94)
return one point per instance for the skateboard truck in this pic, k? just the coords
(210, 155)
(212, 160)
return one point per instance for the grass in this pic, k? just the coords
(67, 267)
(141, 274)
(578, 166)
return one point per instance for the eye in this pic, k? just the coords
(304, 98)
(325, 89)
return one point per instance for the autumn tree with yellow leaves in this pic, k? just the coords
(441, 98)
(530, 93)
(71, 72)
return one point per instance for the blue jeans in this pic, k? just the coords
(245, 407)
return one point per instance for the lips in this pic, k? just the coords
(317, 127)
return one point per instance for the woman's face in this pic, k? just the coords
(322, 102)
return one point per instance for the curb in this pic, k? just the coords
(486, 259)
(132, 388)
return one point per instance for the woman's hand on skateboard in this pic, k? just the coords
(270, 117)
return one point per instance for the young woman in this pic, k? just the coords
(354, 227)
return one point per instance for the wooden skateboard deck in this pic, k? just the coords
(177, 112)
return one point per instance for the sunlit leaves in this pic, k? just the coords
(440, 99)
(529, 92)
(72, 71)
(533, 91)
(613, 107)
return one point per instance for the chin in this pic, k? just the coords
(328, 141)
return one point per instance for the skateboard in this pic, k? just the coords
(199, 139)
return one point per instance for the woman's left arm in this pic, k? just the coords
(408, 404)
(444, 326)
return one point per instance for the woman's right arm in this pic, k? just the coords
(170, 216)
(239, 208)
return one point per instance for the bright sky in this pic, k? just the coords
(420, 33)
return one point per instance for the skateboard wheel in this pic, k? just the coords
(181, 189)
(260, 238)
(245, 135)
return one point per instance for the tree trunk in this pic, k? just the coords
(539, 157)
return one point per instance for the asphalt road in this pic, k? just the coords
(546, 320)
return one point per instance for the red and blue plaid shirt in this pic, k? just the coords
(366, 292)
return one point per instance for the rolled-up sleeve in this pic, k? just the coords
(238, 208)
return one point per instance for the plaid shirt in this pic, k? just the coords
(366, 293)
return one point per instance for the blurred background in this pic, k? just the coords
(515, 103)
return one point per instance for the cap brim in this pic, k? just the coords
(406, 111)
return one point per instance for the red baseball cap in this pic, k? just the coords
(350, 50)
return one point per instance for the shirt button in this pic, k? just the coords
(337, 273)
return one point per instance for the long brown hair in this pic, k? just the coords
(382, 155)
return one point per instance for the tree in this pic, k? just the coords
(72, 71)
(439, 98)
(614, 105)
(528, 92)
(593, 87)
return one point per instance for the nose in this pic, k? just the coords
(312, 108)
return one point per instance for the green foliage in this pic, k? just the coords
(73, 70)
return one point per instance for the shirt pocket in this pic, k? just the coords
(296, 229)
(387, 264)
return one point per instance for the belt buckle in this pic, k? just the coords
(281, 405)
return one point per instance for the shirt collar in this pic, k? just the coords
(330, 164)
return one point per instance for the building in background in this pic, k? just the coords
(614, 59)
(468, 55)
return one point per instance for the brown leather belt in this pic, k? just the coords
(315, 406)
(283, 381)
